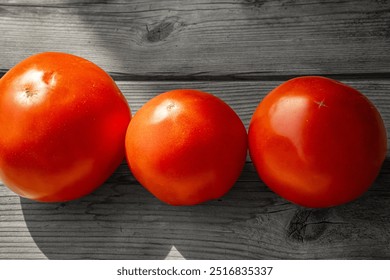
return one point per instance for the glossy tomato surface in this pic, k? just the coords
(62, 124)
(186, 147)
(317, 142)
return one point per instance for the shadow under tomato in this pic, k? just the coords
(121, 220)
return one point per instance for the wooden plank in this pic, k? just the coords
(223, 39)
(121, 220)
(244, 96)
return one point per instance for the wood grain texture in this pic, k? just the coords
(244, 96)
(121, 220)
(223, 39)
(238, 50)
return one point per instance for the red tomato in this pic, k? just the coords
(186, 147)
(62, 124)
(317, 142)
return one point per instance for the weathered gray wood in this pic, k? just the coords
(121, 220)
(244, 96)
(223, 39)
(153, 46)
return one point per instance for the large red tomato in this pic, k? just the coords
(317, 142)
(186, 147)
(62, 124)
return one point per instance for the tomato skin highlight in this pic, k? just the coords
(63, 121)
(317, 142)
(186, 147)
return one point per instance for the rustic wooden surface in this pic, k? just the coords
(237, 50)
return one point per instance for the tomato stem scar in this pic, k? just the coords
(170, 106)
(29, 92)
(321, 103)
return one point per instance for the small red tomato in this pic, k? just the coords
(317, 142)
(186, 147)
(63, 122)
